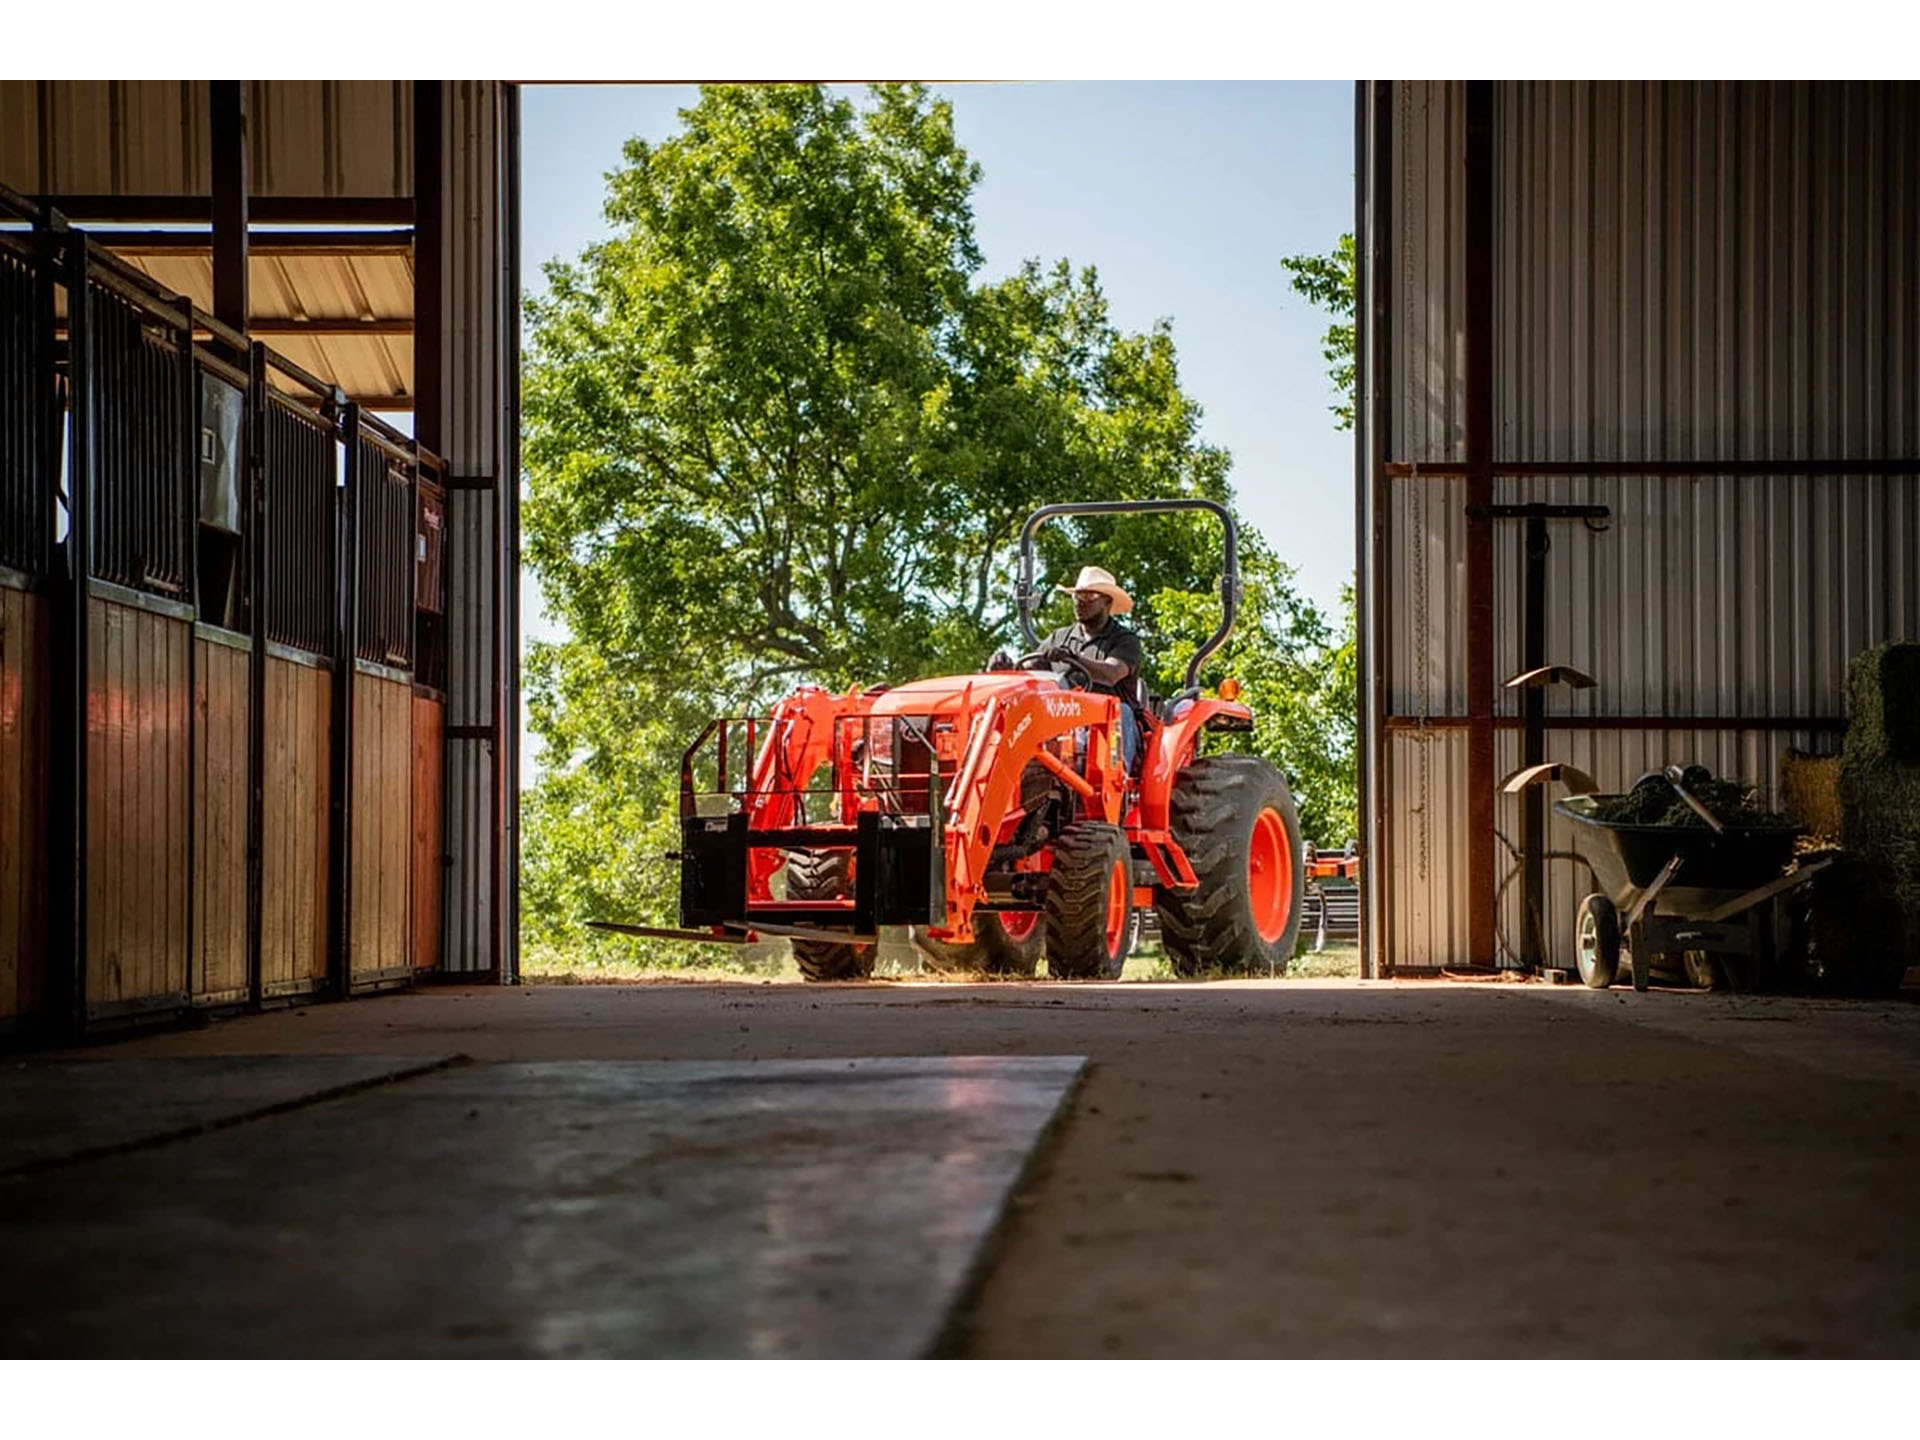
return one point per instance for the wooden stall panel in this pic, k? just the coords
(220, 701)
(138, 821)
(428, 720)
(26, 660)
(379, 942)
(296, 821)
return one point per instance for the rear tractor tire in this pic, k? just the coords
(826, 875)
(1235, 818)
(1089, 909)
(1002, 945)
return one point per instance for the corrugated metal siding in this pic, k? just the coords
(1428, 219)
(152, 137)
(475, 355)
(1426, 786)
(470, 762)
(1694, 271)
(316, 288)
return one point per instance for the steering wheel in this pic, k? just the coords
(1036, 659)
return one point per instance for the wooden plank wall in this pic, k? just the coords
(429, 848)
(220, 700)
(26, 659)
(138, 821)
(379, 947)
(297, 823)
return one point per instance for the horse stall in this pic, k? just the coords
(29, 449)
(220, 774)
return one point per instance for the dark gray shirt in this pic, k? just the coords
(1114, 642)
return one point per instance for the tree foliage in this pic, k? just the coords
(1327, 280)
(779, 428)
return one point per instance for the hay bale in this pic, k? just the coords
(1880, 774)
(1810, 794)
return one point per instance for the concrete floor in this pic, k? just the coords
(1345, 1169)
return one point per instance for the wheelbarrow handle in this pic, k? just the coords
(1676, 779)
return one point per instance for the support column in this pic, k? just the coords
(429, 287)
(1481, 776)
(228, 107)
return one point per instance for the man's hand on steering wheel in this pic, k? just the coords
(1058, 655)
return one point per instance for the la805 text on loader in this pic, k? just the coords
(992, 813)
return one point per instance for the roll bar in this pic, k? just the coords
(1026, 596)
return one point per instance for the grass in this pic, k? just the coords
(658, 964)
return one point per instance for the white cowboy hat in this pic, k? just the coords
(1092, 577)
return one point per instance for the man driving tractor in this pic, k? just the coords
(1108, 651)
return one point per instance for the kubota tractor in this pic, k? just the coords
(992, 814)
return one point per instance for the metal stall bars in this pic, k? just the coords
(132, 620)
(373, 711)
(299, 423)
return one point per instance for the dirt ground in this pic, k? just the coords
(1325, 1168)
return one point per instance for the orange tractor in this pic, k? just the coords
(992, 813)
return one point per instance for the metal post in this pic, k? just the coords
(228, 110)
(256, 543)
(1533, 702)
(429, 303)
(1372, 351)
(510, 494)
(70, 707)
(1481, 778)
(346, 645)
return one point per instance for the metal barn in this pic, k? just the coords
(258, 538)
(1685, 319)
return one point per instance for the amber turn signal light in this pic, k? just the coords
(1229, 689)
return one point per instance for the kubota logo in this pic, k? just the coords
(1062, 707)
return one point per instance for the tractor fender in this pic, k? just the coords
(1173, 750)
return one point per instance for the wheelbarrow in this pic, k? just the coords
(1699, 895)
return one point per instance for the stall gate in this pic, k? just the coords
(219, 771)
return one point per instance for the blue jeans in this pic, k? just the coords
(1129, 734)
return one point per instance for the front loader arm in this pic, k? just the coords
(1007, 735)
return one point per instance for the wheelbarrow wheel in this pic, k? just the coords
(1705, 971)
(1597, 942)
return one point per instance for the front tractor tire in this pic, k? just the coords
(1089, 909)
(1235, 818)
(1008, 944)
(826, 875)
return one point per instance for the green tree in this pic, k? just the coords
(1327, 280)
(779, 429)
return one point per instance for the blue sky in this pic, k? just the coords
(1183, 195)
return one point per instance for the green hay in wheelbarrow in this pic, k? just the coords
(1628, 858)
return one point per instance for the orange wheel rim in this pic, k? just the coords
(1019, 924)
(1270, 876)
(1117, 897)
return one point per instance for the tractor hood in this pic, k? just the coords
(951, 694)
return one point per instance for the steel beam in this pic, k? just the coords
(429, 298)
(1659, 469)
(384, 210)
(228, 108)
(1625, 722)
(1482, 779)
(281, 244)
(1373, 279)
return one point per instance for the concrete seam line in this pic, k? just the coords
(227, 1122)
(952, 1339)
